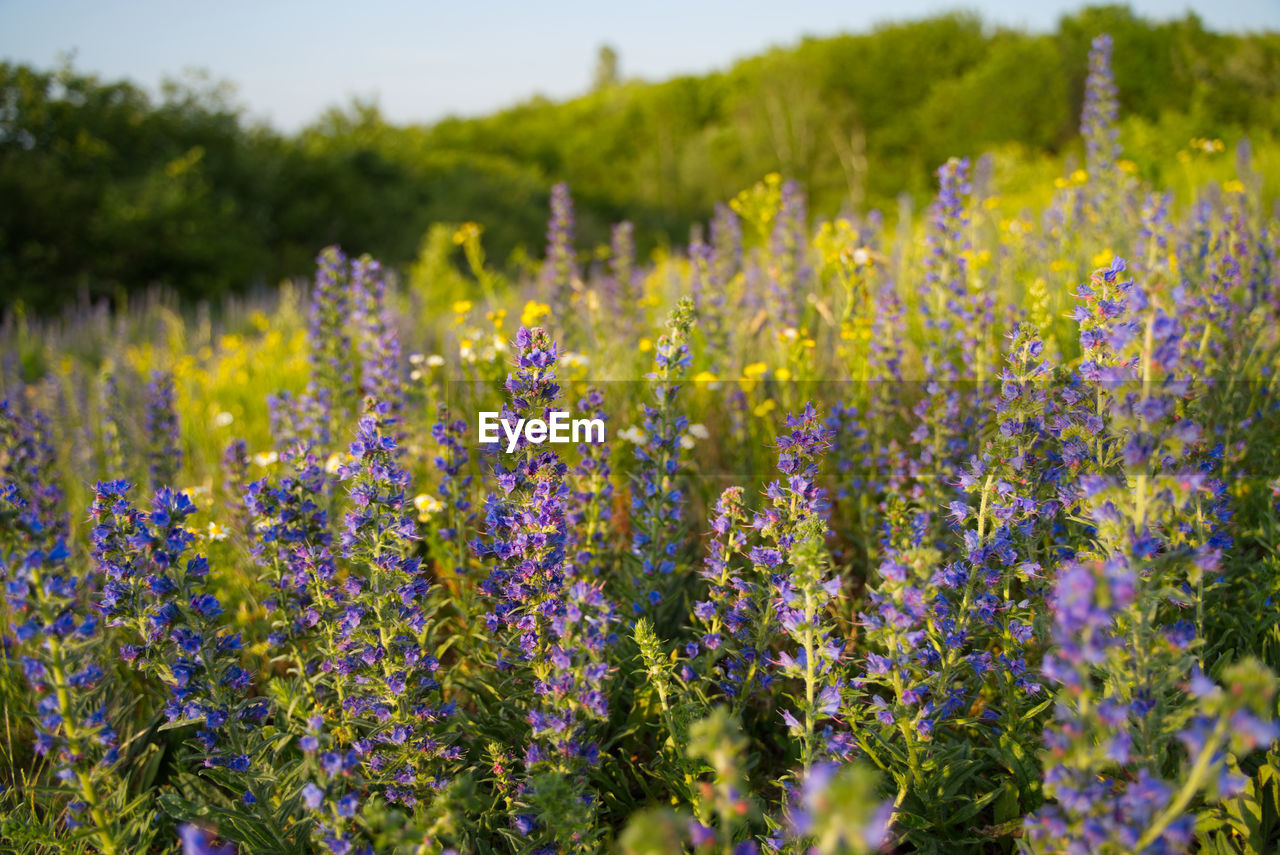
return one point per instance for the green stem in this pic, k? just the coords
(83, 778)
(810, 677)
(1189, 788)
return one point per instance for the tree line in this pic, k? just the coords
(108, 190)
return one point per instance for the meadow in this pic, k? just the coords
(951, 533)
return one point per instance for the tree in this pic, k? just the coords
(606, 75)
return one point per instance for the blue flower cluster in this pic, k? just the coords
(657, 495)
(164, 450)
(156, 590)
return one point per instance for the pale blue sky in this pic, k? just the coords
(289, 59)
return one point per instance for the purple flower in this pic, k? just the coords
(164, 452)
(559, 276)
(157, 594)
(657, 498)
(1098, 121)
(196, 841)
(552, 625)
(312, 796)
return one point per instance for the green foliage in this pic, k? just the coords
(108, 191)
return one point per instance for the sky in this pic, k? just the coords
(421, 61)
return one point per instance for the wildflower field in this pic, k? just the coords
(955, 535)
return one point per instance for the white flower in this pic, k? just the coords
(216, 532)
(861, 257)
(335, 461)
(686, 442)
(415, 359)
(435, 360)
(223, 419)
(427, 506)
(699, 431)
(265, 458)
(633, 434)
(415, 375)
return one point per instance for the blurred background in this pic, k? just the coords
(214, 150)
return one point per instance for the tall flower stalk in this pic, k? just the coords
(164, 453)
(59, 638)
(551, 632)
(590, 503)
(156, 591)
(388, 666)
(560, 277)
(657, 495)
(1098, 124)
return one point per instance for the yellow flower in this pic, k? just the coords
(1103, 258)
(765, 407)
(759, 204)
(835, 242)
(1079, 176)
(467, 231)
(335, 461)
(1233, 186)
(646, 345)
(427, 506)
(751, 375)
(1207, 146)
(533, 312)
(704, 377)
(496, 317)
(570, 359)
(461, 307)
(991, 203)
(782, 374)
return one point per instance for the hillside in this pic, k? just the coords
(108, 191)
